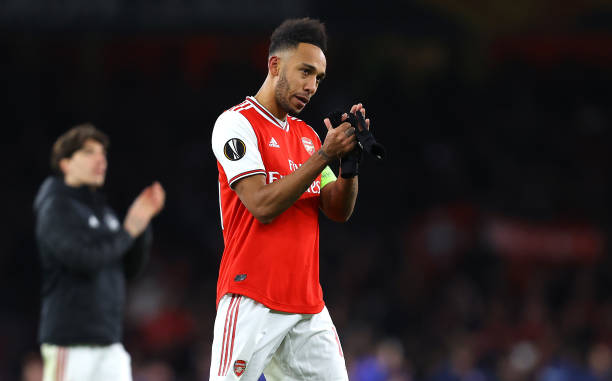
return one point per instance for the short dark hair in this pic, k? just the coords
(293, 31)
(72, 140)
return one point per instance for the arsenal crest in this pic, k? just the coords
(239, 367)
(308, 145)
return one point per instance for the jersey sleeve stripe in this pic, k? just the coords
(246, 174)
(242, 108)
(238, 106)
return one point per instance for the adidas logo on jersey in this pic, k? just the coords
(273, 143)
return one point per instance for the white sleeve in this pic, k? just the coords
(235, 146)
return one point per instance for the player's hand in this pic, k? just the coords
(153, 198)
(340, 140)
(359, 108)
(146, 206)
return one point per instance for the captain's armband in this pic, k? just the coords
(327, 176)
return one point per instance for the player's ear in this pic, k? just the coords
(274, 65)
(64, 165)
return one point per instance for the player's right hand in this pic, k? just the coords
(340, 140)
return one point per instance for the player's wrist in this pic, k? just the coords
(324, 155)
(131, 230)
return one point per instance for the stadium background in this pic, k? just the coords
(478, 251)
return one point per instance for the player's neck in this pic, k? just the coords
(265, 97)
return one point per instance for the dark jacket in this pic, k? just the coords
(86, 256)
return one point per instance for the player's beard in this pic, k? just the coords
(282, 94)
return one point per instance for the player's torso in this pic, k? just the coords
(260, 260)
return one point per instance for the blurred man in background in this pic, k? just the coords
(273, 179)
(86, 255)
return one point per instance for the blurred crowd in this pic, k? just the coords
(478, 251)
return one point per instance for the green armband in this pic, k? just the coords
(327, 176)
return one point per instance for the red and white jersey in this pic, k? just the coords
(276, 264)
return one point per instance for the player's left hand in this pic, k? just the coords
(365, 137)
(359, 108)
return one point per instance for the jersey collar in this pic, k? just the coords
(282, 124)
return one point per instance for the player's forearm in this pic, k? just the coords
(338, 199)
(273, 199)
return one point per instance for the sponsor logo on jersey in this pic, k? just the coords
(314, 188)
(234, 149)
(273, 143)
(240, 277)
(308, 145)
(239, 367)
(293, 166)
(273, 176)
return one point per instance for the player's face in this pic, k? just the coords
(301, 72)
(87, 166)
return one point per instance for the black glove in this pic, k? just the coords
(366, 139)
(349, 163)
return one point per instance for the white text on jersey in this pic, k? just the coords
(314, 188)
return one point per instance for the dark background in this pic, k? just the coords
(479, 250)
